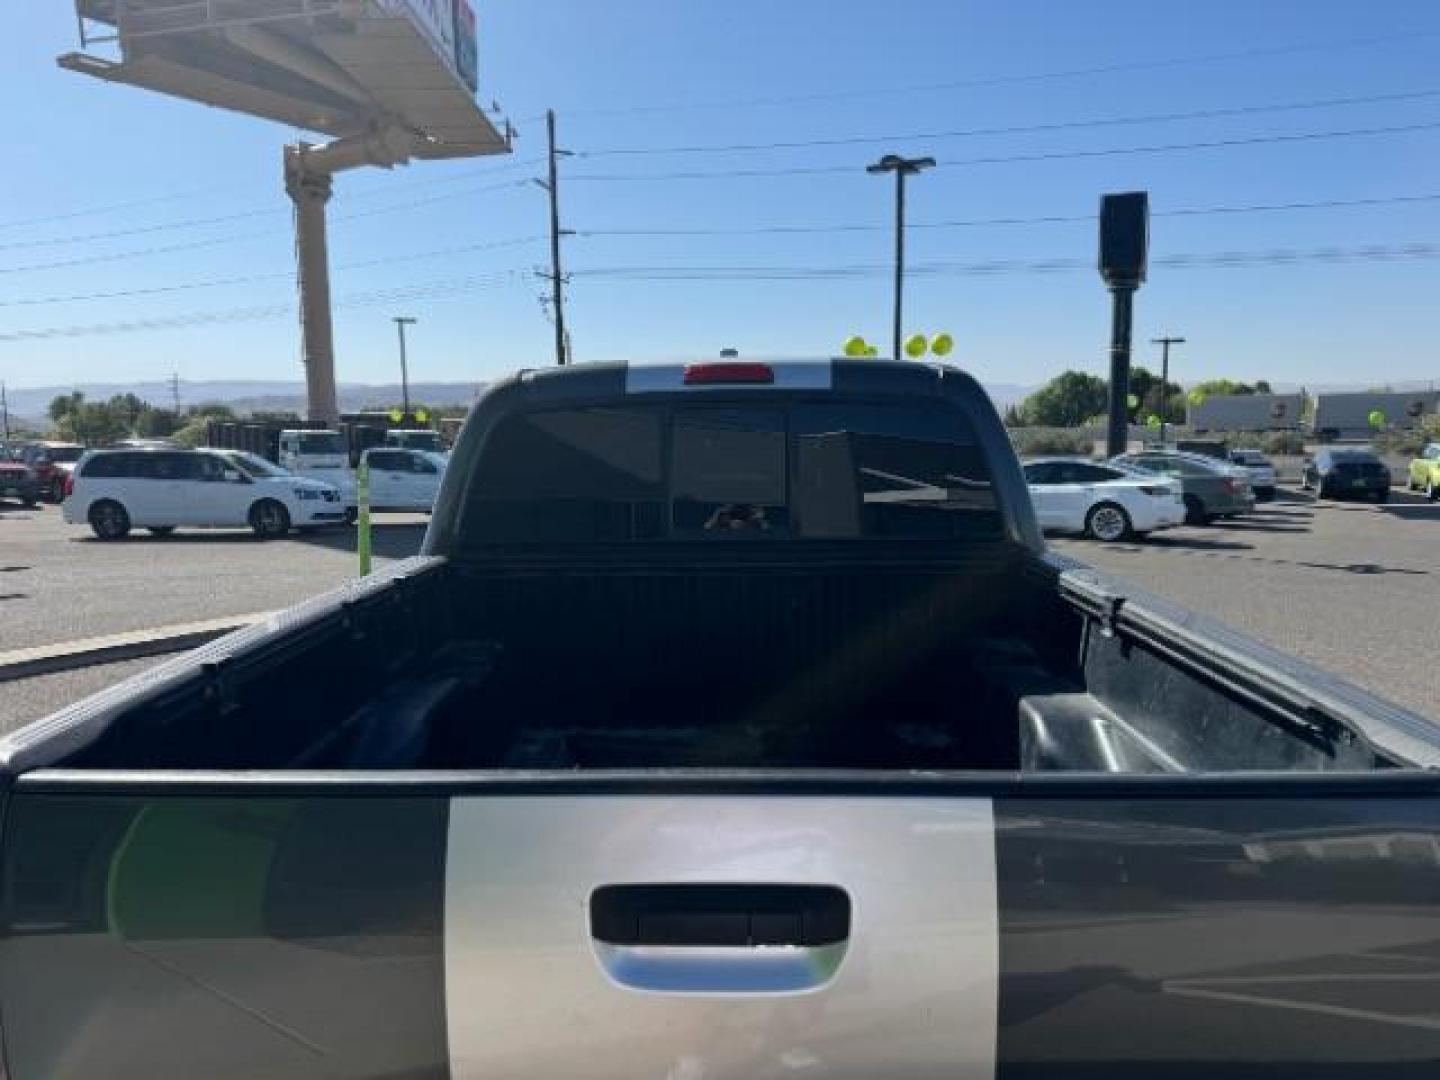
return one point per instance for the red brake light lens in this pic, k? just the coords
(713, 374)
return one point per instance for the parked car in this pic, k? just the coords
(259, 468)
(1425, 472)
(160, 490)
(1103, 502)
(416, 439)
(1347, 474)
(1260, 469)
(403, 479)
(18, 481)
(53, 463)
(1211, 488)
(733, 723)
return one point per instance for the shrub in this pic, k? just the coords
(1407, 443)
(1287, 443)
(1030, 442)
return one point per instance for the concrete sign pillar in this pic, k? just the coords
(310, 191)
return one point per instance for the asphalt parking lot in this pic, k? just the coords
(58, 584)
(1351, 587)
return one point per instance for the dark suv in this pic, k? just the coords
(1347, 474)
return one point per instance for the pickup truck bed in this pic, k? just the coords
(669, 804)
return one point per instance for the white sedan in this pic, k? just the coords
(1101, 501)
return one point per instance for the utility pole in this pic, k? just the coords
(402, 321)
(175, 392)
(557, 277)
(1165, 343)
(5, 411)
(901, 167)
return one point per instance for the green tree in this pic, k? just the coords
(1229, 388)
(1065, 401)
(156, 423)
(1155, 400)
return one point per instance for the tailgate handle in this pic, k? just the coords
(737, 916)
(720, 939)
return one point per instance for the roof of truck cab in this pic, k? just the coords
(843, 374)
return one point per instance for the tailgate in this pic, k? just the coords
(668, 927)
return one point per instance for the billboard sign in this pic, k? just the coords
(467, 49)
(435, 19)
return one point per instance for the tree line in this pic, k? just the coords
(1075, 399)
(75, 418)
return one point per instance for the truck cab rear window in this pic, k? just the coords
(832, 470)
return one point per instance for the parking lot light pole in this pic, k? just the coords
(402, 321)
(901, 167)
(1165, 343)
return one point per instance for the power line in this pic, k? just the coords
(116, 207)
(250, 279)
(218, 241)
(436, 290)
(188, 196)
(1020, 129)
(1050, 219)
(141, 230)
(770, 230)
(679, 274)
(243, 215)
(1055, 155)
(1184, 260)
(1013, 79)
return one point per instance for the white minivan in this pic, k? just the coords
(160, 490)
(403, 479)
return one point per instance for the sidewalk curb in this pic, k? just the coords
(114, 648)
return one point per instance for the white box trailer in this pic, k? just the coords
(1246, 412)
(1347, 416)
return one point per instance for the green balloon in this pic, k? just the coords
(1197, 397)
(916, 347)
(942, 345)
(1377, 419)
(1133, 401)
(1152, 421)
(855, 346)
(871, 350)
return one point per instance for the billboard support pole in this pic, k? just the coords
(310, 191)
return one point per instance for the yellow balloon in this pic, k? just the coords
(916, 347)
(942, 345)
(396, 416)
(871, 350)
(421, 416)
(855, 346)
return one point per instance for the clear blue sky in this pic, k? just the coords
(657, 73)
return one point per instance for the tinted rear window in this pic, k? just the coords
(829, 470)
(113, 466)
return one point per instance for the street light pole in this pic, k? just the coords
(402, 321)
(1165, 343)
(901, 167)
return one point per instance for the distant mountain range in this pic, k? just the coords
(247, 396)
